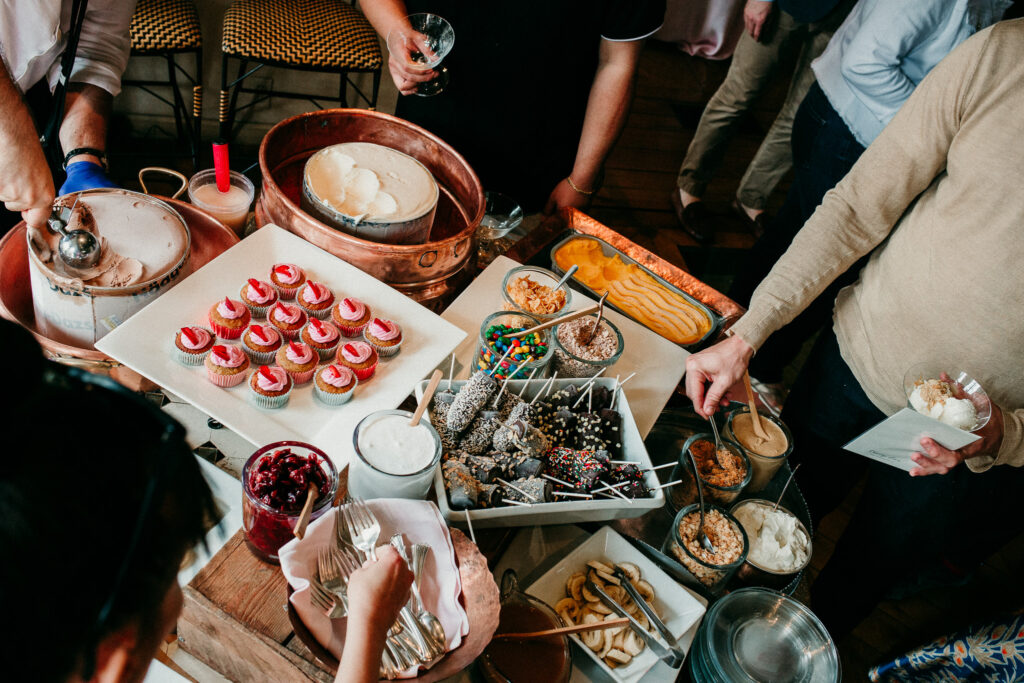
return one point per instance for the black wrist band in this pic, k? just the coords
(98, 153)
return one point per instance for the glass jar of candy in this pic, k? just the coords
(515, 357)
(275, 483)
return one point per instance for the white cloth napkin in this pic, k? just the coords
(420, 522)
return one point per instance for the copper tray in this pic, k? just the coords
(210, 238)
(480, 597)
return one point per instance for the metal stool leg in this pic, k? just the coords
(177, 102)
(197, 111)
(342, 90)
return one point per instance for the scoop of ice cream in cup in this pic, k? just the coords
(948, 394)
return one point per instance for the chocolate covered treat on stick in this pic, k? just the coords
(470, 399)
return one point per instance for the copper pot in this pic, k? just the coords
(210, 237)
(430, 272)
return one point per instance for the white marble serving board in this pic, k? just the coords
(145, 343)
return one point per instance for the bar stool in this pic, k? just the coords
(165, 29)
(328, 36)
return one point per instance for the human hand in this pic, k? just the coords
(723, 365)
(402, 45)
(755, 14)
(377, 591)
(25, 183)
(84, 175)
(563, 195)
(938, 460)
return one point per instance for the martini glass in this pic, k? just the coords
(423, 44)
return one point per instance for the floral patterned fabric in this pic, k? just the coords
(993, 653)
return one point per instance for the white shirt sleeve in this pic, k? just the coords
(104, 45)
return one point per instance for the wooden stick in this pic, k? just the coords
(551, 323)
(578, 628)
(435, 379)
(527, 382)
(307, 509)
(758, 429)
(469, 523)
(451, 372)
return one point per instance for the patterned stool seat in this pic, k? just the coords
(320, 34)
(160, 26)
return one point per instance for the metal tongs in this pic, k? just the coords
(670, 655)
(644, 605)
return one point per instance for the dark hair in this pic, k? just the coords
(77, 538)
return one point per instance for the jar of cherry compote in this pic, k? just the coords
(275, 483)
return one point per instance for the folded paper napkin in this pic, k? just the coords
(420, 522)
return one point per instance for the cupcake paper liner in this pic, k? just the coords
(350, 331)
(286, 293)
(192, 359)
(226, 380)
(334, 399)
(225, 332)
(320, 314)
(269, 402)
(258, 311)
(364, 373)
(301, 377)
(384, 351)
(325, 354)
(260, 357)
(289, 334)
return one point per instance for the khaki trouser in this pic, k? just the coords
(753, 64)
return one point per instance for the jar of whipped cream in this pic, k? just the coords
(394, 459)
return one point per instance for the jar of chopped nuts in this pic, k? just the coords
(533, 290)
(583, 351)
(712, 570)
(723, 480)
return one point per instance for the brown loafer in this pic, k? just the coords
(694, 219)
(755, 225)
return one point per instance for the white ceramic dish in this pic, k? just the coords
(681, 610)
(568, 512)
(145, 343)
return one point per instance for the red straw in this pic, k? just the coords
(221, 167)
(255, 284)
(190, 335)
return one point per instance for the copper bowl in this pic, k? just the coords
(210, 238)
(428, 272)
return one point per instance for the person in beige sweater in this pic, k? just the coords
(938, 202)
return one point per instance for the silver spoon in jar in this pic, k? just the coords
(702, 537)
(565, 278)
(718, 440)
(77, 248)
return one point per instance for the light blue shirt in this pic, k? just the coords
(885, 47)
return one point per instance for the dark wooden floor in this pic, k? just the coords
(671, 93)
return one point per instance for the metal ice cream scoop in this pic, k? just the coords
(77, 248)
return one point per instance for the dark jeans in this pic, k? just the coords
(824, 151)
(901, 523)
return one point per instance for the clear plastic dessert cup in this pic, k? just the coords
(753, 574)
(569, 364)
(685, 493)
(232, 207)
(541, 276)
(713, 577)
(268, 528)
(971, 388)
(764, 466)
(369, 478)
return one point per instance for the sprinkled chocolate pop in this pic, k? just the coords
(470, 400)
(578, 468)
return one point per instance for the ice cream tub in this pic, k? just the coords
(146, 248)
(371, 191)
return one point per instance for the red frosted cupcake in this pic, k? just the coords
(261, 342)
(286, 279)
(360, 357)
(270, 387)
(322, 336)
(316, 300)
(226, 365)
(334, 384)
(258, 297)
(383, 335)
(192, 344)
(298, 360)
(287, 319)
(229, 318)
(351, 316)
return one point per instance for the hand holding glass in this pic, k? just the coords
(420, 47)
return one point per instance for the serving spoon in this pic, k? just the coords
(77, 248)
(702, 537)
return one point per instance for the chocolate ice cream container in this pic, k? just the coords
(145, 250)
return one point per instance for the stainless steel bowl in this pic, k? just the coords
(757, 634)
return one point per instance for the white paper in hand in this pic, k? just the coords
(895, 438)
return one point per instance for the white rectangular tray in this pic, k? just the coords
(570, 511)
(145, 343)
(680, 609)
